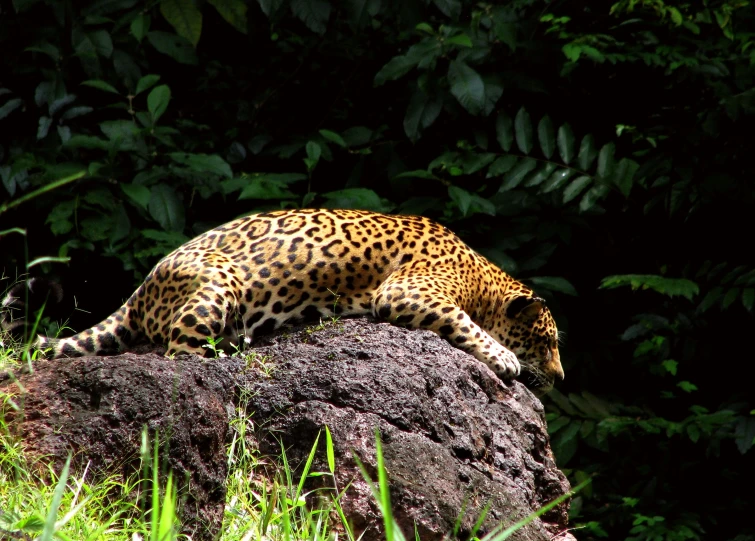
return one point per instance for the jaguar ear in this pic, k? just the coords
(525, 307)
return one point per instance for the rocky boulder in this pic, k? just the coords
(454, 436)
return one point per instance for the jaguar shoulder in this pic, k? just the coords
(254, 274)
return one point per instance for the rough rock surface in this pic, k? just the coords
(452, 431)
(97, 407)
(454, 436)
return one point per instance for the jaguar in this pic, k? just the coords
(256, 273)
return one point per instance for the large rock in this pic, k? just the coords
(96, 407)
(454, 436)
(453, 433)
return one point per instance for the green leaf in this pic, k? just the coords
(466, 86)
(587, 152)
(461, 197)
(10, 106)
(233, 11)
(333, 137)
(449, 8)
(461, 39)
(605, 160)
(593, 195)
(313, 13)
(419, 173)
(670, 287)
(676, 16)
(501, 165)
(138, 194)
(730, 297)
(506, 32)
(523, 131)
(140, 26)
(267, 189)
(557, 424)
(670, 366)
(178, 48)
(257, 143)
(744, 434)
(546, 136)
(624, 175)
(420, 114)
(516, 175)
(157, 102)
(124, 133)
(60, 103)
(314, 151)
(101, 85)
(748, 298)
(74, 112)
(572, 51)
(473, 162)
(86, 141)
(44, 127)
(270, 7)
(687, 387)
(540, 174)
(184, 17)
(565, 141)
(493, 93)
(570, 431)
(575, 187)
(203, 163)
(45, 47)
(64, 132)
(357, 136)
(166, 208)
(145, 83)
(480, 204)
(504, 131)
(692, 430)
(358, 198)
(562, 402)
(713, 296)
(422, 54)
(274, 179)
(559, 179)
(102, 42)
(590, 405)
(554, 283)
(44, 93)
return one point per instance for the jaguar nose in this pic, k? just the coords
(559, 372)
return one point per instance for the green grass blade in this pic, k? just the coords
(385, 495)
(307, 467)
(168, 512)
(330, 451)
(481, 519)
(49, 530)
(505, 534)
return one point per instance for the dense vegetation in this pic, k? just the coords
(600, 152)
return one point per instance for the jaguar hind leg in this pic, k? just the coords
(424, 302)
(206, 310)
(200, 318)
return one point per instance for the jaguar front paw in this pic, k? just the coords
(505, 364)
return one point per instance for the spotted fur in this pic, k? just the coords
(256, 273)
